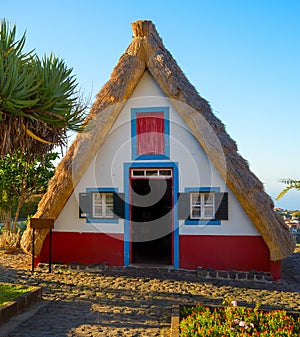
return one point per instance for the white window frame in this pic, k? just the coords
(105, 209)
(152, 173)
(201, 205)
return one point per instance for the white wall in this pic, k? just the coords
(195, 169)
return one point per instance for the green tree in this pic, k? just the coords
(291, 184)
(30, 206)
(39, 100)
(20, 179)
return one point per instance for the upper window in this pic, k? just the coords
(150, 133)
(103, 205)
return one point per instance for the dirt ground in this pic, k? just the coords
(132, 302)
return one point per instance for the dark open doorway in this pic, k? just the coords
(151, 221)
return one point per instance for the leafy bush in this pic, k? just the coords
(233, 321)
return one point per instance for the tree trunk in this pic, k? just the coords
(20, 204)
(7, 217)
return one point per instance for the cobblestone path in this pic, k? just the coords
(130, 301)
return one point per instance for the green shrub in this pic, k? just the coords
(233, 321)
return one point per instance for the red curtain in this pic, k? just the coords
(150, 133)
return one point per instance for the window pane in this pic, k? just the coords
(208, 212)
(165, 172)
(98, 211)
(196, 213)
(208, 199)
(137, 173)
(109, 198)
(109, 212)
(97, 198)
(196, 199)
(152, 172)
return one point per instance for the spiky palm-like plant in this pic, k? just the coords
(291, 184)
(39, 100)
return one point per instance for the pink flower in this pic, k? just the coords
(234, 303)
(243, 324)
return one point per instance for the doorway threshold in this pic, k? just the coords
(151, 266)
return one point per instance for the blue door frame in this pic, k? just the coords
(175, 244)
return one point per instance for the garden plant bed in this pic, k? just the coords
(23, 297)
(233, 320)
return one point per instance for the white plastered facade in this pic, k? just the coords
(106, 170)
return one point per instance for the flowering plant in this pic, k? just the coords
(232, 320)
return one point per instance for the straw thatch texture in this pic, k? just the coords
(148, 52)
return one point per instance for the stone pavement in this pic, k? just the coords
(131, 301)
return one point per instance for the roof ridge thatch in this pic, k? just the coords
(147, 51)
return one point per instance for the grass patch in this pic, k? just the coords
(9, 292)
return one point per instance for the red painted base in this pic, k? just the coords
(85, 248)
(243, 253)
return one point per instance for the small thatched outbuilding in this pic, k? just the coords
(157, 179)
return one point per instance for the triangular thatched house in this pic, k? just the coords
(157, 180)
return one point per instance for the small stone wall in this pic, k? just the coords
(235, 275)
(201, 273)
(76, 267)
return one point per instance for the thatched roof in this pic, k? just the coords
(147, 52)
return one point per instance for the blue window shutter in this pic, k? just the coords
(183, 206)
(221, 206)
(119, 205)
(85, 205)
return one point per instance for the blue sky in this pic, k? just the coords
(241, 55)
